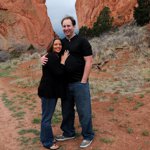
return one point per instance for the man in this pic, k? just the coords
(78, 66)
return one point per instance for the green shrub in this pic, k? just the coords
(85, 31)
(145, 133)
(103, 23)
(142, 12)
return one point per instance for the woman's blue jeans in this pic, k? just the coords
(48, 108)
(77, 94)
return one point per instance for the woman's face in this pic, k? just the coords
(57, 46)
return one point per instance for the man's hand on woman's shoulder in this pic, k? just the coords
(43, 59)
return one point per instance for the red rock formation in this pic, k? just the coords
(88, 11)
(24, 22)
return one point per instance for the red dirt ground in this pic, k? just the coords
(117, 125)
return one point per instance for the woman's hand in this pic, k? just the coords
(64, 57)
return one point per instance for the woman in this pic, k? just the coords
(51, 87)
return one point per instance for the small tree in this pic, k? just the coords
(104, 22)
(85, 32)
(142, 12)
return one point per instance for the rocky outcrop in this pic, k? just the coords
(88, 11)
(24, 24)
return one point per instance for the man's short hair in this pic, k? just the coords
(69, 17)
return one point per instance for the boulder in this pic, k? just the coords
(24, 22)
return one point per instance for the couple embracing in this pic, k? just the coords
(66, 69)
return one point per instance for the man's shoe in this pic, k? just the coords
(85, 143)
(63, 138)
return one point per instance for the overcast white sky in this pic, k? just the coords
(57, 9)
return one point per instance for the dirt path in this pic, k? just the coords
(120, 104)
(8, 137)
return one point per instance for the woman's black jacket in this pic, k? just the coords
(52, 84)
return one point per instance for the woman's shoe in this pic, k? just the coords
(54, 146)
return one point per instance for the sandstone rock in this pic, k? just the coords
(88, 11)
(24, 22)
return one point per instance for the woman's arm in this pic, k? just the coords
(64, 57)
(54, 64)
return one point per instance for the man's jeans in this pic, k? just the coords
(48, 108)
(77, 94)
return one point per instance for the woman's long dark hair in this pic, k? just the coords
(50, 46)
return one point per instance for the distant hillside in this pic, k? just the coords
(130, 37)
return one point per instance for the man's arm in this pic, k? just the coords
(87, 68)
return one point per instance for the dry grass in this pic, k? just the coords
(129, 37)
(128, 80)
(130, 76)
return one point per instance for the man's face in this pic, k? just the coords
(68, 28)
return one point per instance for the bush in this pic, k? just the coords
(103, 23)
(85, 31)
(142, 12)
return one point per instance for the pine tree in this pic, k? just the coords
(142, 12)
(85, 31)
(103, 23)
